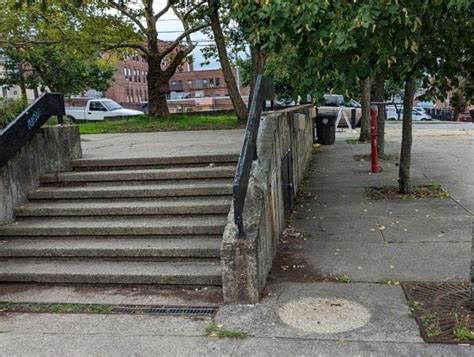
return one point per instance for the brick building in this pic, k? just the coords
(130, 82)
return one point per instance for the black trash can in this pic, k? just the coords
(326, 128)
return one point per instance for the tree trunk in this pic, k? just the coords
(158, 88)
(158, 85)
(405, 155)
(380, 97)
(365, 103)
(22, 84)
(239, 105)
(24, 96)
(259, 57)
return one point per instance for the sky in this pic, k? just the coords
(169, 22)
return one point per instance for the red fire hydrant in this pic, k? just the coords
(373, 138)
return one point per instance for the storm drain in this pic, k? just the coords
(63, 308)
(442, 311)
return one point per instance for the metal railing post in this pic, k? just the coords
(264, 90)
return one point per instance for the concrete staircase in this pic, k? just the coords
(123, 221)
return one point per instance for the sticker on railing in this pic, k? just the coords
(34, 118)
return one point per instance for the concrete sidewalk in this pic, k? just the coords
(345, 234)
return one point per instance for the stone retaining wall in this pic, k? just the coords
(51, 149)
(246, 262)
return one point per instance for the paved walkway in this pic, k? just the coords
(175, 143)
(370, 241)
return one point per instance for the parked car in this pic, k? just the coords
(417, 114)
(333, 103)
(466, 116)
(100, 109)
(144, 107)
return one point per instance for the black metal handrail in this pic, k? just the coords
(19, 131)
(248, 153)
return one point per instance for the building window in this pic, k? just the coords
(199, 83)
(218, 82)
(211, 82)
(190, 84)
(125, 72)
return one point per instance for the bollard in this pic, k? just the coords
(373, 139)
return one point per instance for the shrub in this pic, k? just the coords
(9, 110)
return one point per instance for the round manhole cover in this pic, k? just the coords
(323, 315)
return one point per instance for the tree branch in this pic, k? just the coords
(187, 13)
(163, 11)
(185, 34)
(137, 46)
(127, 13)
(178, 59)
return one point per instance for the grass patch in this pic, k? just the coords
(215, 330)
(356, 141)
(385, 157)
(343, 279)
(463, 333)
(433, 191)
(143, 123)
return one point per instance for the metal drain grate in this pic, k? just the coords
(63, 308)
(439, 309)
(167, 310)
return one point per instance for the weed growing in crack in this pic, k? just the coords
(463, 333)
(430, 322)
(216, 330)
(391, 282)
(343, 279)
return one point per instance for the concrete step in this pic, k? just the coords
(133, 199)
(5, 238)
(125, 208)
(111, 248)
(131, 191)
(108, 226)
(96, 271)
(214, 181)
(168, 161)
(145, 294)
(141, 175)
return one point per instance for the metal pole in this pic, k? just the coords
(373, 137)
